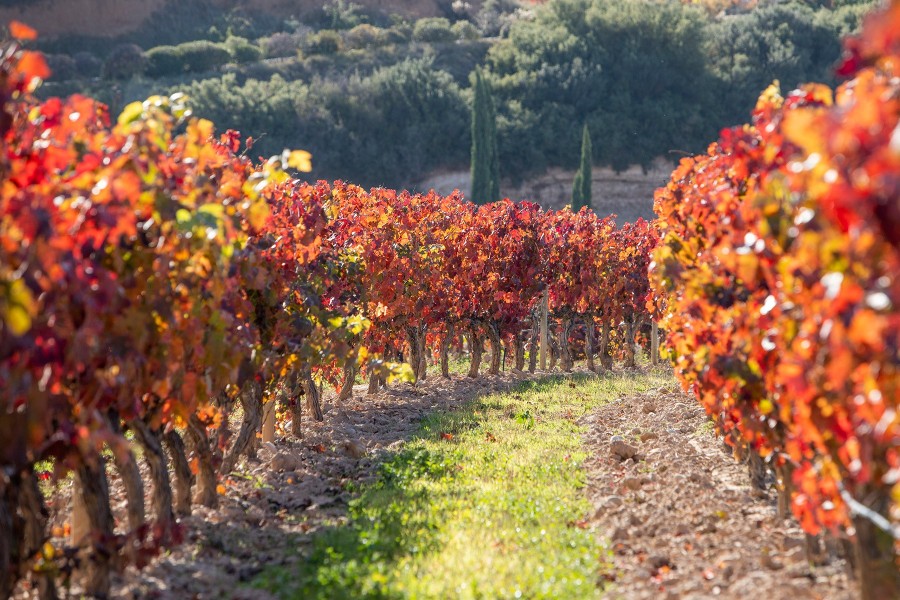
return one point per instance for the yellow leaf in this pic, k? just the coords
(131, 113)
(48, 551)
(20, 308)
(257, 215)
(300, 160)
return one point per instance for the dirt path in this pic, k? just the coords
(681, 516)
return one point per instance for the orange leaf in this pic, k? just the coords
(21, 31)
(34, 65)
(220, 489)
(446, 436)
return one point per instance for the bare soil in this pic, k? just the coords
(681, 516)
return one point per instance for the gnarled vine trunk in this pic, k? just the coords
(311, 392)
(756, 468)
(346, 391)
(605, 358)
(476, 347)
(130, 473)
(552, 348)
(533, 343)
(875, 561)
(34, 513)
(159, 475)
(423, 354)
(590, 342)
(445, 352)
(94, 490)
(496, 348)
(206, 473)
(251, 403)
(374, 383)
(182, 471)
(565, 352)
(8, 548)
(784, 488)
(629, 345)
(519, 350)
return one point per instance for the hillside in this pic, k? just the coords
(110, 18)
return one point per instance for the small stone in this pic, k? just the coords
(285, 462)
(621, 449)
(649, 407)
(770, 561)
(700, 478)
(353, 448)
(790, 543)
(636, 431)
(632, 483)
(658, 561)
(650, 435)
(683, 529)
(614, 501)
(620, 534)
(759, 494)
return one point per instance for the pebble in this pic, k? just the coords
(353, 448)
(632, 483)
(285, 462)
(621, 449)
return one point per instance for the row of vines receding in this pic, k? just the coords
(779, 271)
(155, 281)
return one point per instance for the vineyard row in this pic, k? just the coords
(778, 274)
(152, 277)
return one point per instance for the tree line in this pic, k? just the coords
(385, 105)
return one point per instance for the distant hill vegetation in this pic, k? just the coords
(380, 91)
(113, 18)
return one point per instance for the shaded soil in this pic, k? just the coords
(681, 516)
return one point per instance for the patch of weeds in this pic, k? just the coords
(707, 427)
(485, 502)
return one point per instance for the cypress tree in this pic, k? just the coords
(485, 167)
(581, 189)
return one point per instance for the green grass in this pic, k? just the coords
(495, 511)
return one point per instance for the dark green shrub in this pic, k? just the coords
(464, 30)
(88, 64)
(163, 61)
(366, 36)
(124, 62)
(62, 67)
(325, 42)
(433, 30)
(281, 45)
(203, 56)
(242, 51)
